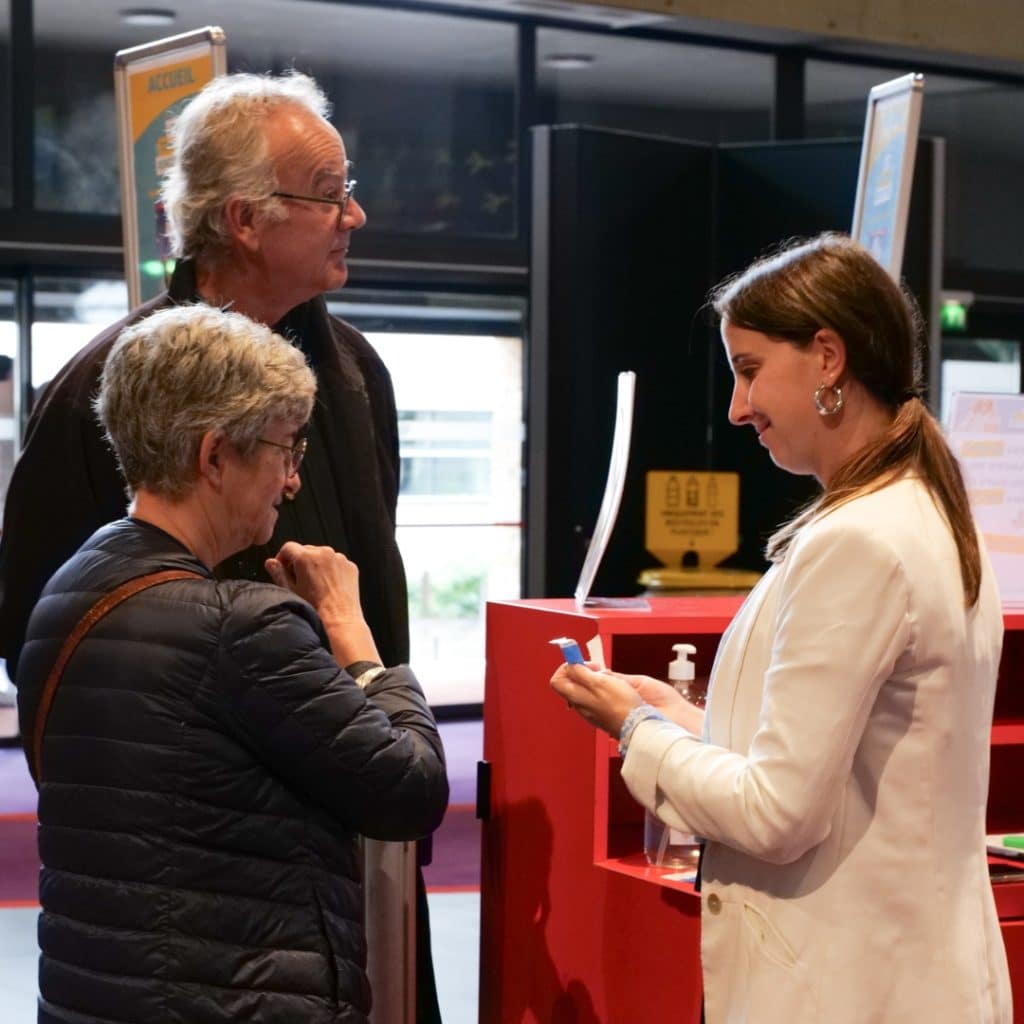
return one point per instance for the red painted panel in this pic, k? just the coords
(575, 927)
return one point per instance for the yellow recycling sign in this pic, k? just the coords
(690, 511)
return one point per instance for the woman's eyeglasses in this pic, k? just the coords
(296, 452)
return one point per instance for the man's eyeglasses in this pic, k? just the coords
(296, 452)
(341, 204)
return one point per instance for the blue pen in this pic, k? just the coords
(570, 650)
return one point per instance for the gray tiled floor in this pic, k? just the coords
(18, 966)
(455, 937)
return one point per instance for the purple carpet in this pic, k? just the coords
(17, 791)
(456, 854)
(455, 865)
(19, 865)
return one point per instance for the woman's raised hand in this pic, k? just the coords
(330, 583)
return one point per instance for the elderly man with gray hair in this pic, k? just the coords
(261, 212)
(209, 754)
(261, 215)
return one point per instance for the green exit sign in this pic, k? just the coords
(953, 316)
(157, 268)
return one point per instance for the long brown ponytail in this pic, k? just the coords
(831, 281)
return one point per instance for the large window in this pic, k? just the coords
(664, 88)
(981, 123)
(70, 312)
(446, 452)
(460, 406)
(425, 102)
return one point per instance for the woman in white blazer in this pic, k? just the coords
(840, 774)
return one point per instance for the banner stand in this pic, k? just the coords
(152, 84)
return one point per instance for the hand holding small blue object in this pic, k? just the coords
(601, 697)
(570, 650)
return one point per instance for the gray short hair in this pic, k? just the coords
(186, 370)
(220, 151)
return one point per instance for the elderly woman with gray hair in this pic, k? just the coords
(208, 753)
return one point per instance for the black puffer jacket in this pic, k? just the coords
(206, 769)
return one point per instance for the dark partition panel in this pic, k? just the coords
(621, 235)
(629, 233)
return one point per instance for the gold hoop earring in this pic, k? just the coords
(837, 399)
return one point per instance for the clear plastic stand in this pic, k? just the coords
(614, 486)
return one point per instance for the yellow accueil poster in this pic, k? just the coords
(154, 83)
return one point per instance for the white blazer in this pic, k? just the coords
(841, 782)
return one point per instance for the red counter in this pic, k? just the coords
(574, 926)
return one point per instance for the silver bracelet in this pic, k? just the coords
(637, 715)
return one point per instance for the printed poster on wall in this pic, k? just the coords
(153, 84)
(986, 433)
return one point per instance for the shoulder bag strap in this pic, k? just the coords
(104, 605)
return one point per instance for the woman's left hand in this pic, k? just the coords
(603, 698)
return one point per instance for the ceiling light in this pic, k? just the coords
(568, 60)
(148, 16)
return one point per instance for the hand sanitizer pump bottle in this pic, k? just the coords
(667, 847)
(682, 674)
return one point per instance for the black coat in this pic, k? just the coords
(206, 768)
(66, 484)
